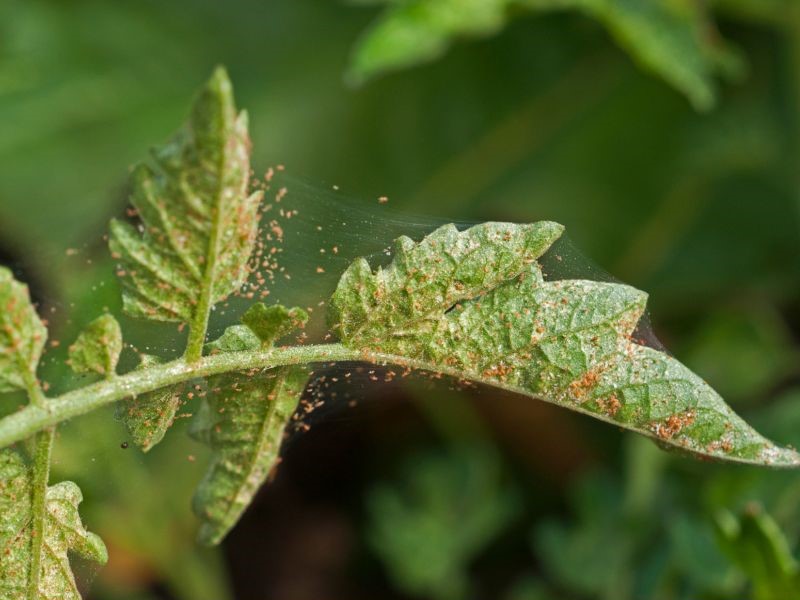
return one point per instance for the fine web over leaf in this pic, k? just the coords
(97, 348)
(149, 416)
(243, 419)
(474, 304)
(199, 220)
(199, 224)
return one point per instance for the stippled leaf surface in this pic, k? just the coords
(63, 533)
(198, 223)
(22, 335)
(675, 40)
(148, 416)
(97, 348)
(243, 419)
(475, 304)
(243, 424)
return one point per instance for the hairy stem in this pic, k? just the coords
(39, 415)
(41, 477)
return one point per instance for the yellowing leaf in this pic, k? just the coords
(63, 533)
(474, 304)
(22, 335)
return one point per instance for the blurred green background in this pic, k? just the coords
(665, 135)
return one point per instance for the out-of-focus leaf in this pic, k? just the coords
(444, 510)
(606, 574)
(22, 335)
(568, 342)
(63, 533)
(755, 543)
(97, 348)
(746, 352)
(675, 40)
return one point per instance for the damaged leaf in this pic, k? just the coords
(474, 304)
(198, 220)
(63, 533)
(97, 348)
(22, 335)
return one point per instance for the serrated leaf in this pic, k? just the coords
(63, 533)
(22, 335)
(198, 223)
(271, 323)
(243, 423)
(147, 417)
(475, 304)
(97, 348)
(669, 38)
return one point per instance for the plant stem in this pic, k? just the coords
(37, 416)
(41, 477)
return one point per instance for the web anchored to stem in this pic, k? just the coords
(469, 304)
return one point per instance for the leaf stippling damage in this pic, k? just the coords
(475, 304)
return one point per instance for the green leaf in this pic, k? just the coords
(410, 32)
(63, 533)
(271, 323)
(474, 304)
(198, 223)
(243, 419)
(445, 509)
(236, 338)
(675, 40)
(97, 348)
(22, 335)
(148, 416)
(243, 423)
(755, 543)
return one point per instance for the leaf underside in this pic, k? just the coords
(474, 304)
(243, 418)
(243, 423)
(22, 335)
(148, 416)
(63, 533)
(198, 223)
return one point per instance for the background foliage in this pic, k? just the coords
(670, 155)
